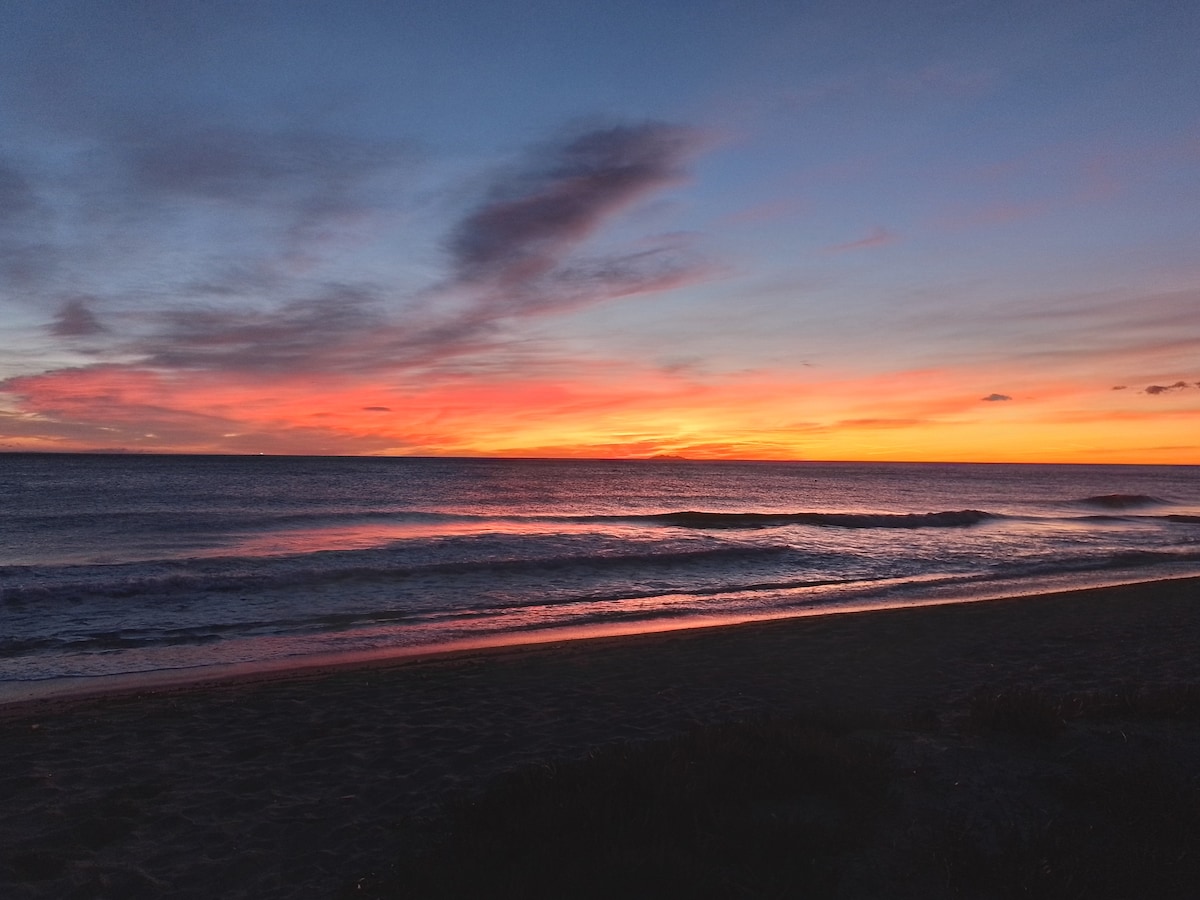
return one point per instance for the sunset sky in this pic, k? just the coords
(800, 230)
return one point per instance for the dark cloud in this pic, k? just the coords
(1156, 389)
(74, 319)
(305, 334)
(603, 278)
(536, 216)
(263, 201)
(345, 329)
(160, 201)
(995, 398)
(377, 409)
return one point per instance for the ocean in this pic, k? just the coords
(161, 566)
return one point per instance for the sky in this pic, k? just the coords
(953, 231)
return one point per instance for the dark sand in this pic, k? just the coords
(297, 784)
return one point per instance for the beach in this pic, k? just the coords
(299, 783)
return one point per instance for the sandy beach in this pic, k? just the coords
(298, 784)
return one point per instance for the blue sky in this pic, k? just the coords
(816, 230)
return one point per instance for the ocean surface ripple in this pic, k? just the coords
(124, 564)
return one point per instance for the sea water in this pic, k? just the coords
(113, 564)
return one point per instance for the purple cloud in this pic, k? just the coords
(74, 319)
(513, 256)
(535, 217)
(316, 333)
(995, 398)
(877, 237)
(1156, 389)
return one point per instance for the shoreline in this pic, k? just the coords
(16, 700)
(297, 783)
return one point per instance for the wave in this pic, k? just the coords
(683, 518)
(949, 519)
(110, 584)
(588, 607)
(1121, 501)
(232, 520)
(1175, 518)
(241, 521)
(1113, 507)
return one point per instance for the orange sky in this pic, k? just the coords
(916, 415)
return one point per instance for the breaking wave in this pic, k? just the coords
(1121, 501)
(950, 519)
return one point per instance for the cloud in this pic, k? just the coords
(517, 241)
(158, 203)
(74, 319)
(123, 407)
(328, 332)
(260, 201)
(512, 256)
(877, 237)
(995, 398)
(310, 182)
(220, 348)
(1156, 389)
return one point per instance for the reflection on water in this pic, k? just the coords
(113, 565)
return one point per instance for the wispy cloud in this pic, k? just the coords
(75, 319)
(311, 182)
(151, 207)
(877, 237)
(264, 291)
(995, 398)
(1156, 389)
(534, 216)
(519, 250)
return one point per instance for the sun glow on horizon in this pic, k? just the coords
(643, 414)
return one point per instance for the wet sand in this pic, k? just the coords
(296, 784)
